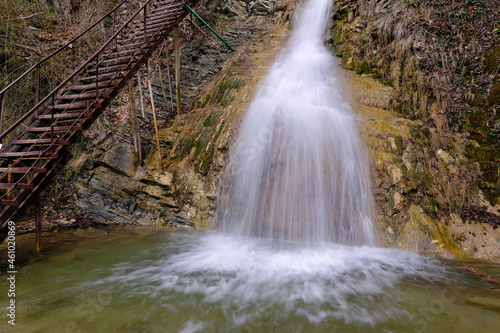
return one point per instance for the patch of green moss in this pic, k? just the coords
(432, 206)
(399, 143)
(427, 178)
(398, 107)
(206, 158)
(404, 169)
(479, 98)
(345, 53)
(202, 102)
(211, 119)
(494, 98)
(389, 82)
(413, 178)
(187, 143)
(424, 227)
(337, 36)
(486, 156)
(224, 88)
(427, 133)
(362, 67)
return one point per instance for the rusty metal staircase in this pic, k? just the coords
(36, 140)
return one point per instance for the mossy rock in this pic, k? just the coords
(362, 67)
(211, 119)
(221, 96)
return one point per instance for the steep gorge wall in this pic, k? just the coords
(440, 62)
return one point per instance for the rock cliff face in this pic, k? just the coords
(401, 184)
(431, 195)
(434, 162)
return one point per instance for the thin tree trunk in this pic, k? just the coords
(177, 69)
(135, 127)
(38, 225)
(154, 119)
(140, 93)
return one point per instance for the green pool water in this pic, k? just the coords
(144, 280)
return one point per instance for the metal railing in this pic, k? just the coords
(33, 86)
(129, 32)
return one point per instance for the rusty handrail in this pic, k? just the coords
(61, 48)
(75, 73)
(97, 57)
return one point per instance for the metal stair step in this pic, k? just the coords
(54, 128)
(122, 53)
(133, 46)
(9, 202)
(41, 141)
(81, 97)
(105, 76)
(92, 86)
(23, 170)
(104, 69)
(22, 154)
(66, 116)
(16, 185)
(74, 106)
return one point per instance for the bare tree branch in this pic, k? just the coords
(24, 17)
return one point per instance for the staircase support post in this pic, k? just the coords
(145, 22)
(169, 79)
(10, 180)
(140, 92)
(38, 225)
(177, 69)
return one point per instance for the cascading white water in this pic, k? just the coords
(297, 171)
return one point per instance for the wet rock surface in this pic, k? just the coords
(398, 175)
(434, 154)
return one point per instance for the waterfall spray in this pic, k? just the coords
(297, 171)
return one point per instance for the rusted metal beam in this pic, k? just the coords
(136, 134)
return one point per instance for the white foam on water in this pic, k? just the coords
(247, 277)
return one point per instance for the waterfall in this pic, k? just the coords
(297, 171)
